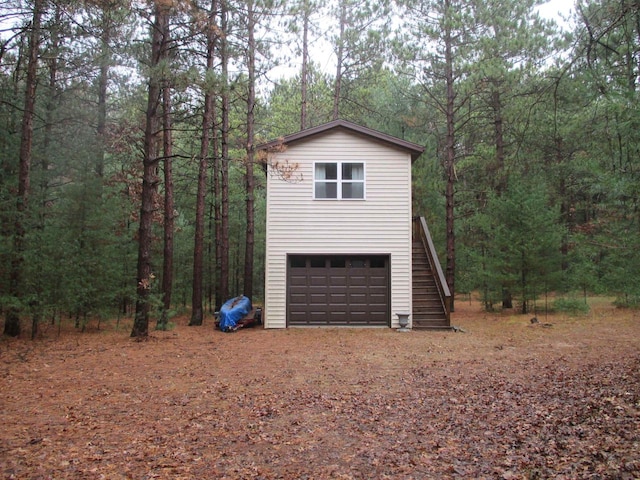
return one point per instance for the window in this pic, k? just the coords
(298, 261)
(317, 262)
(338, 180)
(338, 262)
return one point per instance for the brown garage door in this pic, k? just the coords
(338, 290)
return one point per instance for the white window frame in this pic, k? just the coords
(339, 181)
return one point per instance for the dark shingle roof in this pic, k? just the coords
(414, 149)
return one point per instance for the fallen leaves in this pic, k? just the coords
(338, 404)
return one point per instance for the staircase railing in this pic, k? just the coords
(422, 231)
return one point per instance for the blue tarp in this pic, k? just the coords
(234, 310)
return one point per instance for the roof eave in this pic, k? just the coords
(414, 149)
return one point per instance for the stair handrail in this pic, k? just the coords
(443, 286)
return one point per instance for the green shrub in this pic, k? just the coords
(572, 306)
(628, 301)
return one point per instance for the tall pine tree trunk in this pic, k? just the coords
(103, 83)
(211, 222)
(12, 317)
(304, 76)
(167, 260)
(337, 86)
(197, 314)
(498, 174)
(217, 218)
(498, 129)
(149, 177)
(450, 157)
(223, 241)
(249, 179)
(43, 193)
(213, 246)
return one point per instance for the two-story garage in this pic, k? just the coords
(339, 227)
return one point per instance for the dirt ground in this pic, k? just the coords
(506, 399)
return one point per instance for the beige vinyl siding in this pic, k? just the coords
(379, 224)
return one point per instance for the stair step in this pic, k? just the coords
(428, 320)
(425, 322)
(428, 309)
(426, 289)
(429, 306)
(429, 317)
(424, 279)
(438, 324)
(432, 296)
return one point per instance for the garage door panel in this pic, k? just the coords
(338, 290)
(317, 319)
(358, 281)
(298, 317)
(357, 299)
(378, 298)
(358, 311)
(298, 299)
(295, 280)
(340, 281)
(338, 299)
(377, 318)
(316, 280)
(336, 318)
(377, 290)
(318, 298)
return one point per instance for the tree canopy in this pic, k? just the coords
(128, 132)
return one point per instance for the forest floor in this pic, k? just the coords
(506, 399)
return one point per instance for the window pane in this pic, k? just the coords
(326, 190)
(353, 190)
(377, 262)
(338, 262)
(298, 262)
(353, 171)
(326, 171)
(357, 263)
(317, 262)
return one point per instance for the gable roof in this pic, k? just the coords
(413, 148)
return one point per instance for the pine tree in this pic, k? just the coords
(16, 286)
(197, 314)
(145, 275)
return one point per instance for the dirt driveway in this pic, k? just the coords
(506, 400)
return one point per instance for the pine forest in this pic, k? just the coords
(131, 186)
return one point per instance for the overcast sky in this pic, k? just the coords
(557, 9)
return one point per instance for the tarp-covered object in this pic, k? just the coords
(234, 310)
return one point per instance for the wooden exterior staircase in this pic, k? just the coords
(431, 295)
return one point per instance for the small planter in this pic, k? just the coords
(403, 319)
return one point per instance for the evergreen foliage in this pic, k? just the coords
(572, 306)
(538, 138)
